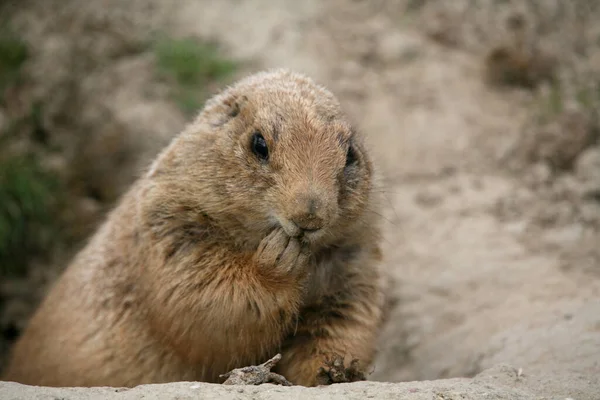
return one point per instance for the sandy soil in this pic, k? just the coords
(490, 265)
(500, 382)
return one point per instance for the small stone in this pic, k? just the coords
(395, 46)
(587, 167)
(429, 198)
(539, 174)
(590, 213)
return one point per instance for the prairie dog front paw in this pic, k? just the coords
(282, 253)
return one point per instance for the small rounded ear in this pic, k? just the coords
(222, 108)
(234, 104)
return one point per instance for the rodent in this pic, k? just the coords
(255, 231)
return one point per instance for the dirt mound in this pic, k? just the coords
(502, 382)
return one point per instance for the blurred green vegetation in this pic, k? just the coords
(554, 101)
(13, 53)
(28, 214)
(193, 66)
(28, 193)
(589, 97)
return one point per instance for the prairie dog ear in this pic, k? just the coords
(234, 105)
(223, 107)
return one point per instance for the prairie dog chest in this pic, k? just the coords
(327, 273)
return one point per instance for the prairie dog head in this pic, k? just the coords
(272, 150)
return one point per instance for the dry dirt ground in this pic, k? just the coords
(493, 254)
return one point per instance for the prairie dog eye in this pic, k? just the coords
(259, 146)
(351, 157)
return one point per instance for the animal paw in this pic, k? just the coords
(335, 371)
(281, 252)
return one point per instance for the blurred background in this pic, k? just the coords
(482, 116)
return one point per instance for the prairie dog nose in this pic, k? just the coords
(308, 212)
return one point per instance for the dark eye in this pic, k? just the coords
(350, 156)
(259, 146)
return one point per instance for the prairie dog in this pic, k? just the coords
(252, 233)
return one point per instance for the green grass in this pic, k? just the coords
(555, 100)
(553, 103)
(27, 193)
(192, 66)
(13, 53)
(589, 97)
(189, 100)
(28, 199)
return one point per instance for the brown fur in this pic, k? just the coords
(200, 268)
